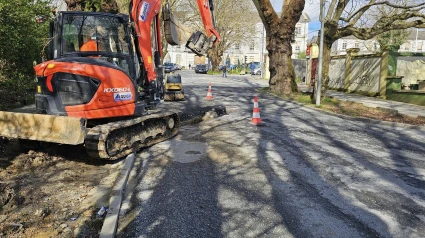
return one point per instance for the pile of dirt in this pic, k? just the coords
(52, 192)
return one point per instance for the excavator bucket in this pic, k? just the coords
(178, 34)
(175, 32)
(40, 127)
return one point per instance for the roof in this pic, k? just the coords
(304, 18)
(314, 39)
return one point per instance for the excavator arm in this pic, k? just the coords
(178, 34)
(145, 20)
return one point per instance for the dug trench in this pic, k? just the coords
(57, 191)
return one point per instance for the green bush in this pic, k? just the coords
(237, 70)
(21, 43)
(298, 80)
(213, 72)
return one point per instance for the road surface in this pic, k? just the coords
(302, 174)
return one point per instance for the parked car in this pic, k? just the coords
(257, 71)
(178, 67)
(201, 68)
(257, 64)
(169, 67)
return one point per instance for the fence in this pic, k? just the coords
(368, 73)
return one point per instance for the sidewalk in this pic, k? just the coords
(405, 109)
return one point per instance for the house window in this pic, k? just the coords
(297, 48)
(178, 59)
(237, 46)
(298, 30)
(251, 45)
(344, 45)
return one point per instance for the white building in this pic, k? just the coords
(256, 46)
(179, 54)
(415, 43)
(253, 48)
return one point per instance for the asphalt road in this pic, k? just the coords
(303, 174)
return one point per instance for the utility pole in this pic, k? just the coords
(322, 32)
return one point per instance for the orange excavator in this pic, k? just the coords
(103, 80)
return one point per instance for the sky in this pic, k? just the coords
(311, 8)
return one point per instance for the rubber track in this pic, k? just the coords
(129, 135)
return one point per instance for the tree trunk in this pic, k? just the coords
(327, 48)
(279, 33)
(282, 75)
(215, 55)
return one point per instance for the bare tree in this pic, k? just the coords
(364, 20)
(234, 22)
(123, 6)
(279, 30)
(236, 25)
(392, 38)
(110, 6)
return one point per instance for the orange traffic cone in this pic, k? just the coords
(209, 94)
(256, 120)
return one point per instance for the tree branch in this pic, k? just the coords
(420, 6)
(360, 13)
(339, 10)
(369, 33)
(330, 9)
(267, 13)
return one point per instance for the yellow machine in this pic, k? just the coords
(174, 88)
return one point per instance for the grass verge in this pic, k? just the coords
(351, 109)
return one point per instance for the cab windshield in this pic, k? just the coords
(103, 34)
(99, 36)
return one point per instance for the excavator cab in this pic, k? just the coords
(91, 70)
(86, 34)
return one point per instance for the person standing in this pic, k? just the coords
(224, 71)
(252, 67)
